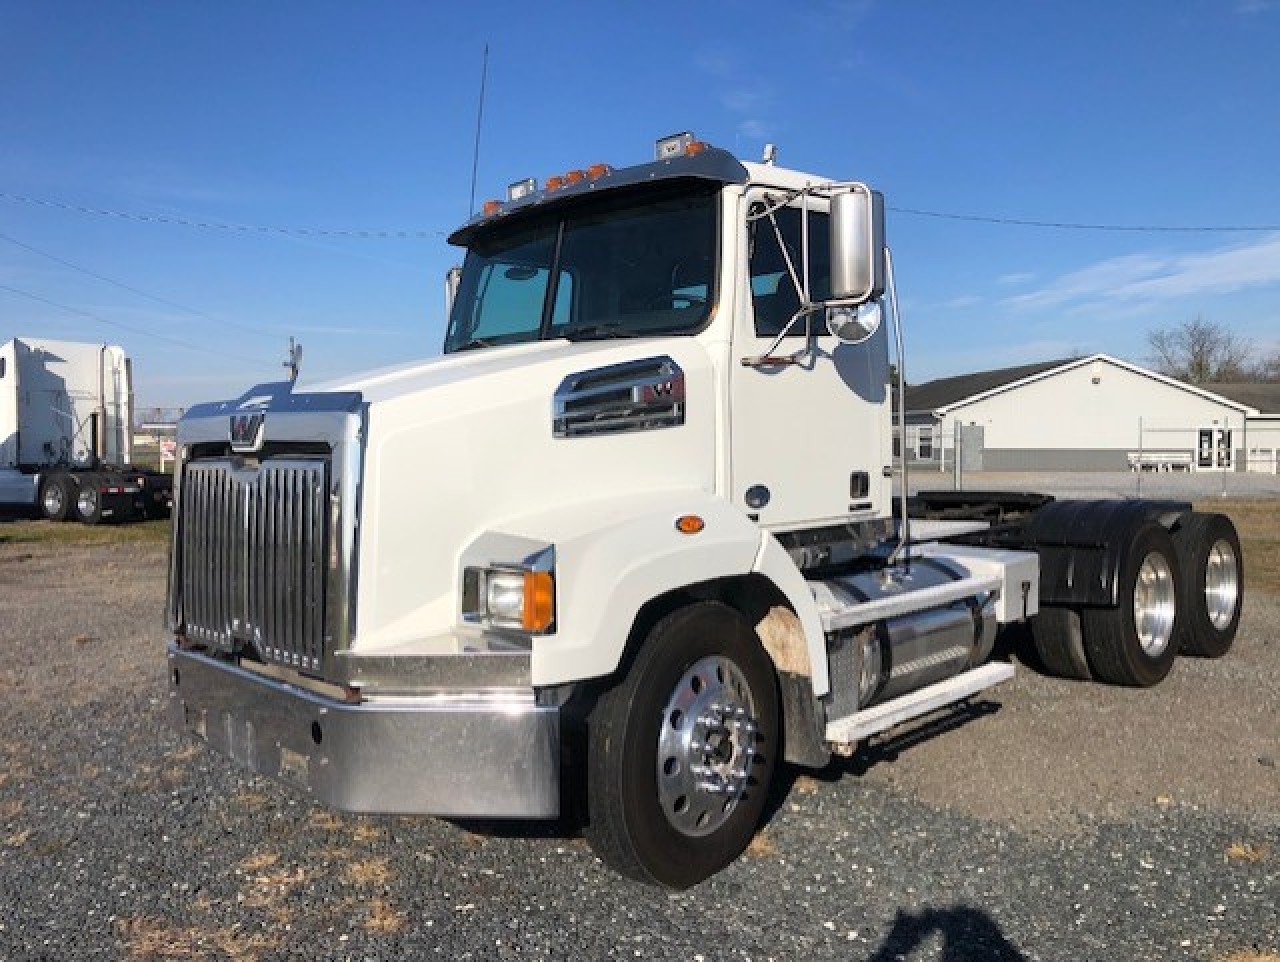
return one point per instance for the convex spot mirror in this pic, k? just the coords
(853, 325)
(857, 245)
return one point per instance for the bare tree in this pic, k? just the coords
(1200, 351)
(1267, 369)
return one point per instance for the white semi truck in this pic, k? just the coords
(634, 532)
(66, 434)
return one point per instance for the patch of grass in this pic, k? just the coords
(1245, 852)
(155, 939)
(1258, 524)
(383, 918)
(373, 871)
(762, 846)
(1249, 955)
(53, 532)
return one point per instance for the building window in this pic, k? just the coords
(925, 447)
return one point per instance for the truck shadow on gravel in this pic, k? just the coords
(968, 935)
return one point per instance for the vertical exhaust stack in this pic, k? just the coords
(100, 411)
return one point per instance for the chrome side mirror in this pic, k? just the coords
(857, 245)
(853, 325)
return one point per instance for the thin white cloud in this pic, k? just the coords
(1017, 277)
(1251, 7)
(1137, 281)
(748, 100)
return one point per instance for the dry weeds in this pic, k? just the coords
(11, 809)
(83, 640)
(260, 862)
(367, 833)
(325, 821)
(155, 939)
(268, 890)
(384, 918)
(1249, 955)
(250, 801)
(762, 846)
(1246, 852)
(19, 839)
(372, 871)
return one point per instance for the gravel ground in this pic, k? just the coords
(1055, 821)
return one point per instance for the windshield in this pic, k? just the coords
(627, 267)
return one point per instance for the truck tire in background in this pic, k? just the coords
(682, 749)
(89, 502)
(1059, 642)
(1209, 555)
(1136, 642)
(56, 496)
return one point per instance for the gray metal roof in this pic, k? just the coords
(948, 390)
(1263, 396)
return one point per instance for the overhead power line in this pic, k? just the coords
(134, 290)
(129, 327)
(1069, 225)
(220, 225)
(418, 234)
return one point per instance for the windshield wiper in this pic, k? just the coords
(472, 345)
(591, 332)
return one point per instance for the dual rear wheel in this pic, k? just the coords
(1176, 591)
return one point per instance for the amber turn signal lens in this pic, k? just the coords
(689, 524)
(539, 601)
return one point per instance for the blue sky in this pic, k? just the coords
(347, 116)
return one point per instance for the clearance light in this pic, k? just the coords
(575, 177)
(596, 171)
(491, 207)
(555, 183)
(521, 188)
(689, 524)
(674, 146)
(694, 147)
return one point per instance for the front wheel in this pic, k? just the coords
(682, 750)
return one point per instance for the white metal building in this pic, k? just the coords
(1095, 413)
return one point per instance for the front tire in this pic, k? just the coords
(1136, 642)
(682, 750)
(1059, 642)
(1212, 583)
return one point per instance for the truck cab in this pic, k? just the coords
(635, 527)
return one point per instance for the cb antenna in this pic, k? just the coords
(294, 362)
(475, 155)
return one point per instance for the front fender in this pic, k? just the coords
(614, 556)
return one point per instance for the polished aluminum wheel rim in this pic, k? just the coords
(87, 502)
(706, 746)
(1221, 584)
(1154, 604)
(53, 500)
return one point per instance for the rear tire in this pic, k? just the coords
(1059, 642)
(1136, 642)
(55, 497)
(89, 503)
(1212, 583)
(681, 751)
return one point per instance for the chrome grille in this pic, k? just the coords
(252, 557)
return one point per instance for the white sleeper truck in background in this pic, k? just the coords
(632, 541)
(66, 433)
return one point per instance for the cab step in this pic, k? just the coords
(853, 728)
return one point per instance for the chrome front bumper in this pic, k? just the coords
(468, 753)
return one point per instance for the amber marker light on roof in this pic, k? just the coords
(596, 171)
(694, 147)
(575, 177)
(689, 524)
(491, 207)
(555, 183)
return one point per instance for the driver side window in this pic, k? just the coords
(773, 294)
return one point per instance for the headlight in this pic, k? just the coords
(508, 598)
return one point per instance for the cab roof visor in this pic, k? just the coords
(713, 164)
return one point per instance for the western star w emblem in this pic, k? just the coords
(246, 431)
